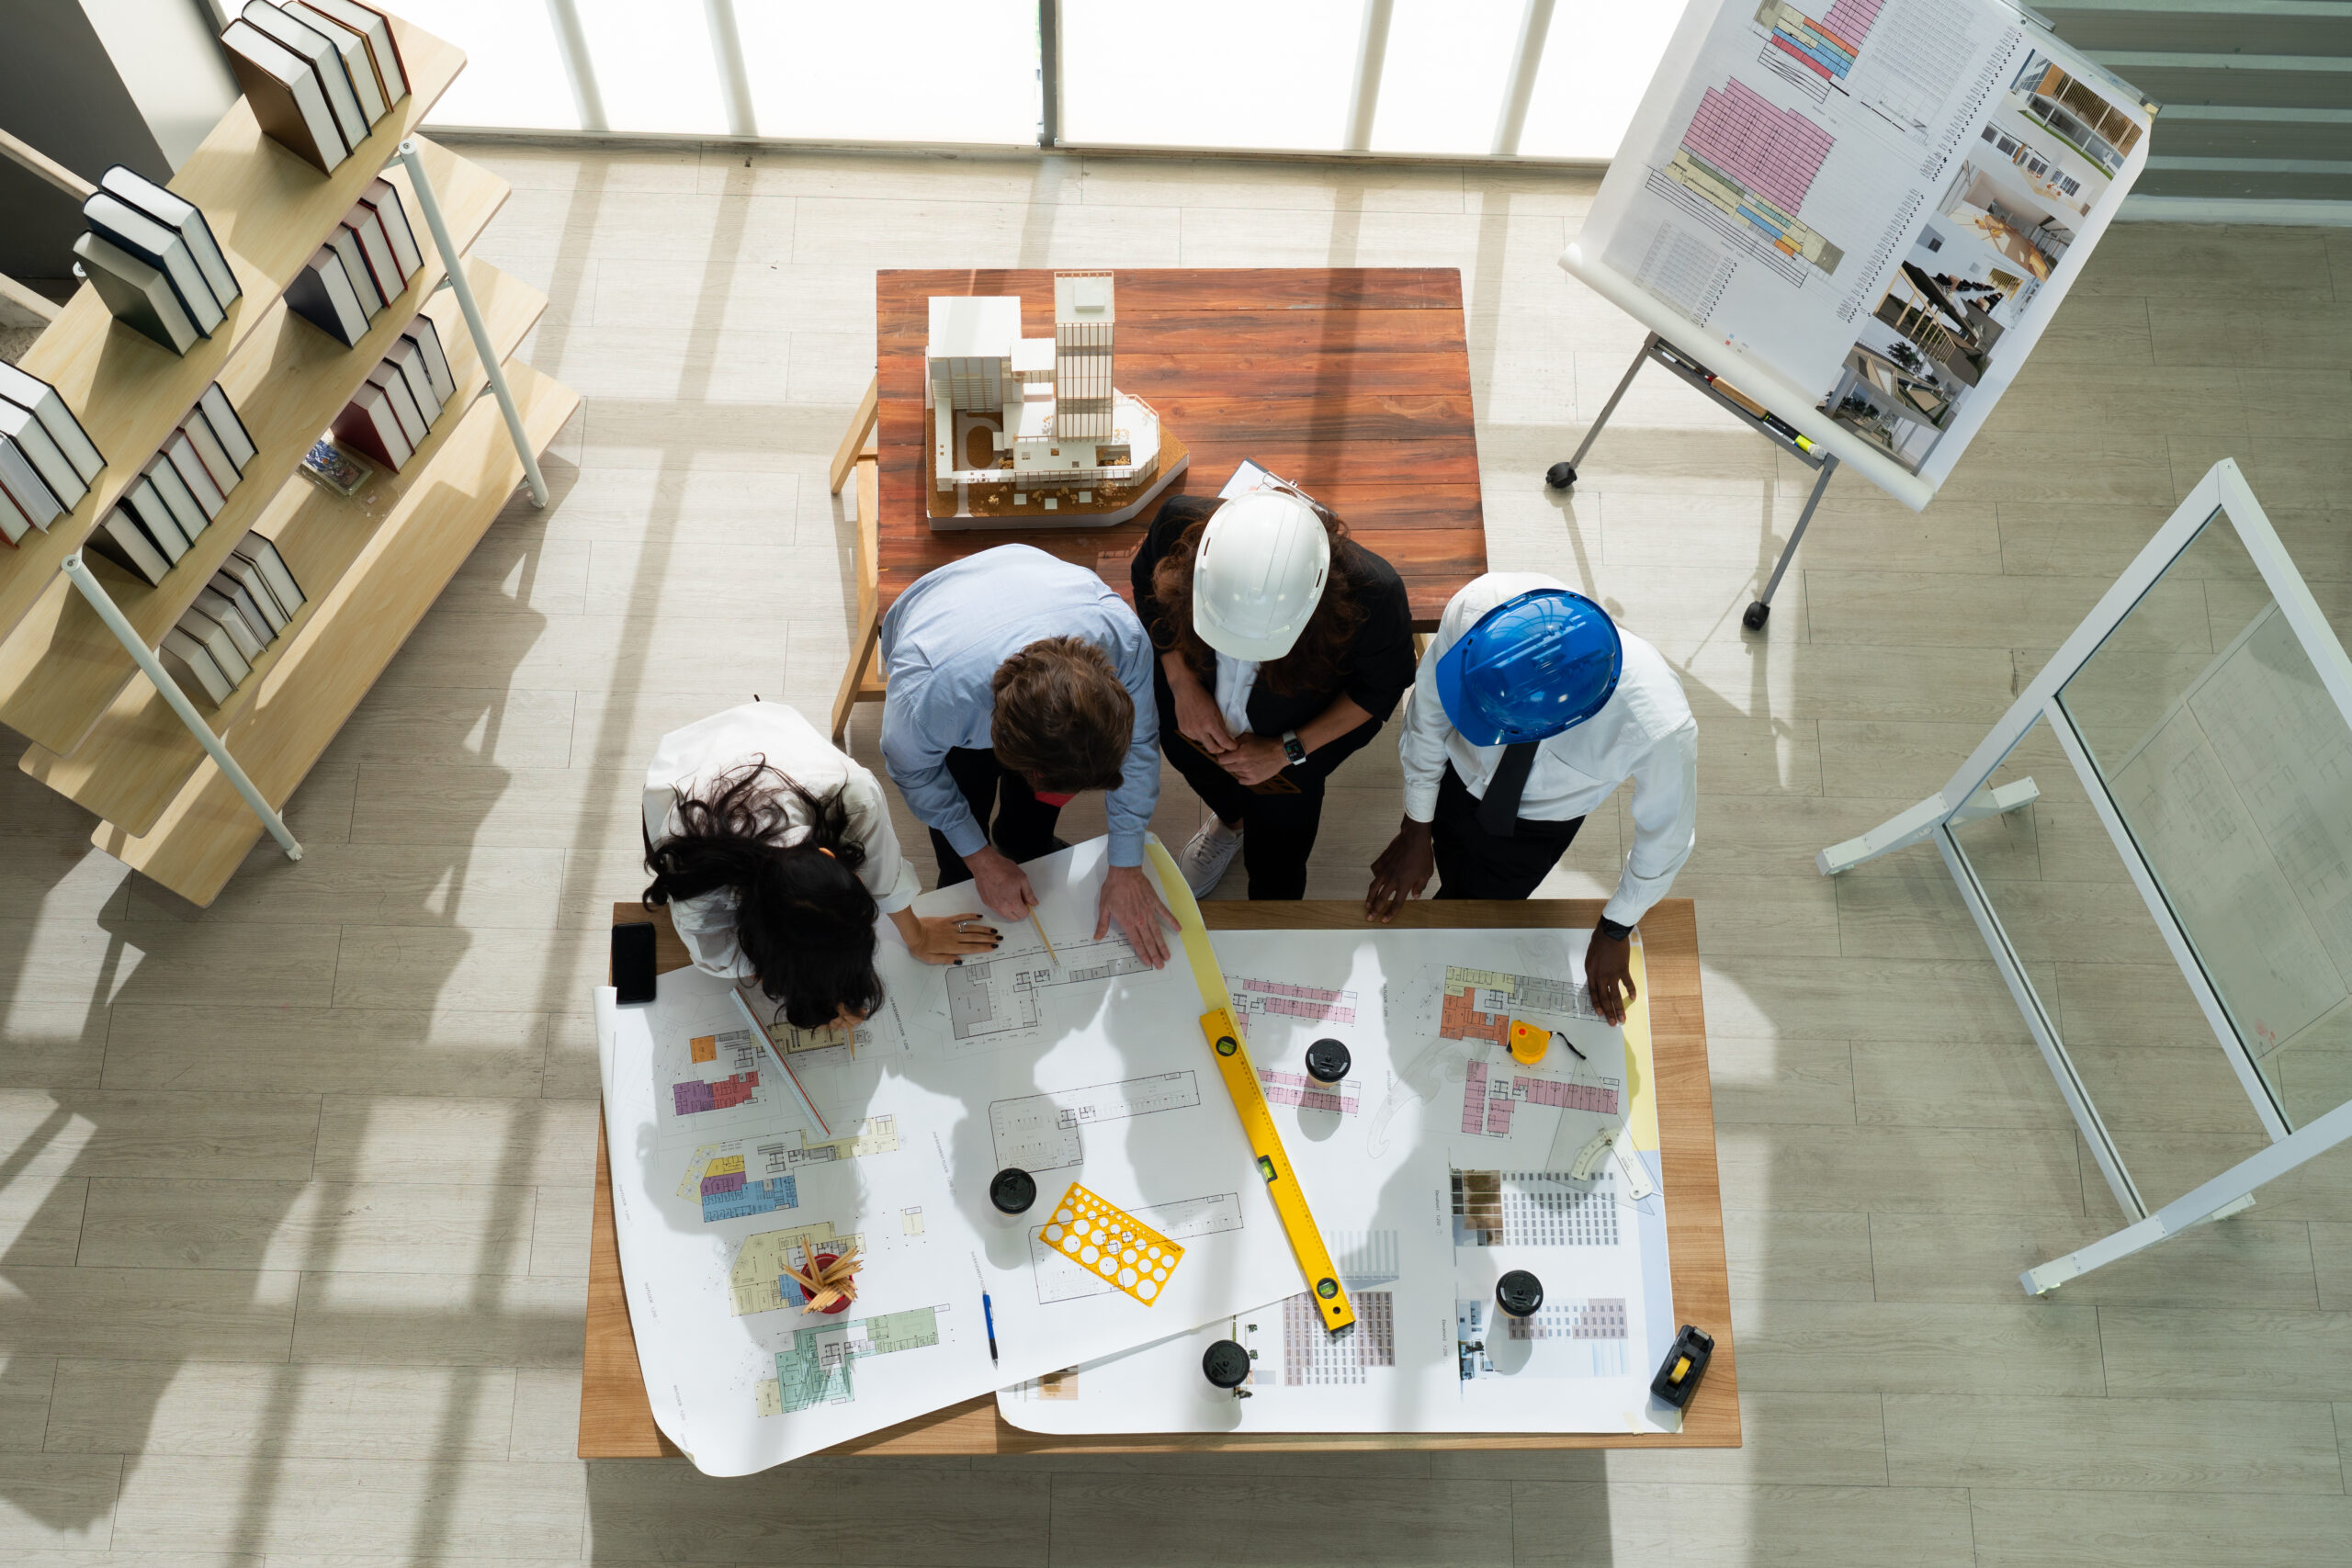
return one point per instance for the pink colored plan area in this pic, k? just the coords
(1774, 153)
(693, 1096)
(1850, 19)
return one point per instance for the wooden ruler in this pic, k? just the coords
(1220, 1027)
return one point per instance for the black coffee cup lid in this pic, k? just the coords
(1226, 1364)
(1012, 1191)
(1327, 1061)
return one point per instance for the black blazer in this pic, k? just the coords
(1376, 669)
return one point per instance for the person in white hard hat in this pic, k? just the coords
(1284, 647)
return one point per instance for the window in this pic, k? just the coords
(1277, 75)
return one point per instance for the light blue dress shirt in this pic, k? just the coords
(942, 643)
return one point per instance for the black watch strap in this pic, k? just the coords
(1614, 932)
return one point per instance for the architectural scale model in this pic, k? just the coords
(1030, 429)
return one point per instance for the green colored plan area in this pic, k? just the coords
(1782, 230)
(815, 1371)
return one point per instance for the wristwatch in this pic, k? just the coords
(1614, 932)
(1293, 748)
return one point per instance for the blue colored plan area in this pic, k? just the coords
(732, 1197)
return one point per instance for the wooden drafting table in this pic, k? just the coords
(616, 1422)
(1352, 383)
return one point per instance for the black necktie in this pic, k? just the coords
(1498, 807)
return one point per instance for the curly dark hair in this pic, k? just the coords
(1314, 663)
(802, 918)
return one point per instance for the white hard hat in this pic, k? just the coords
(1260, 573)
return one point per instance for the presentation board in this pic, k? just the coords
(1863, 213)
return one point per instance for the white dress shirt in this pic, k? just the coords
(1645, 732)
(1236, 679)
(688, 762)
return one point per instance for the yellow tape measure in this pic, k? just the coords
(1231, 1054)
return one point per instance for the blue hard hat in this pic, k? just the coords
(1531, 666)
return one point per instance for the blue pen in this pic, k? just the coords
(988, 1313)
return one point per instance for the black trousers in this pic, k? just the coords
(1024, 827)
(1474, 863)
(1280, 816)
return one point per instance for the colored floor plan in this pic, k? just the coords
(1533, 1208)
(1280, 997)
(1815, 53)
(728, 1191)
(757, 1281)
(1748, 167)
(815, 1371)
(1297, 1089)
(1480, 1003)
(1313, 1356)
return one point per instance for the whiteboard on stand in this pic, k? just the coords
(1863, 213)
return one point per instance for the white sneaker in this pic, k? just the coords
(1206, 855)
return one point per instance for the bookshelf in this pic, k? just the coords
(371, 564)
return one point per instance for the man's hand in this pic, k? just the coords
(1254, 758)
(944, 939)
(1131, 902)
(1002, 885)
(1198, 718)
(1403, 869)
(1609, 974)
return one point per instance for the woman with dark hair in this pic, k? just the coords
(1284, 647)
(775, 853)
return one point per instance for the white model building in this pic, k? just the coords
(1051, 418)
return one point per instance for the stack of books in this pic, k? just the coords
(363, 267)
(182, 489)
(47, 459)
(235, 618)
(152, 259)
(401, 399)
(319, 74)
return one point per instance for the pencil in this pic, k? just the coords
(1043, 937)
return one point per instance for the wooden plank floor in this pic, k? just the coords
(294, 1194)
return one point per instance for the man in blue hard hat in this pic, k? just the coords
(1529, 709)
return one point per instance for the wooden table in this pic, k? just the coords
(616, 1421)
(1354, 383)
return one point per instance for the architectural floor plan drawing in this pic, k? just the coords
(1091, 1069)
(1863, 209)
(1445, 1164)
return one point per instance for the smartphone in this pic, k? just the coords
(633, 961)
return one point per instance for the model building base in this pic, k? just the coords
(969, 506)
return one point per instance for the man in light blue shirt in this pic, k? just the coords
(1015, 680)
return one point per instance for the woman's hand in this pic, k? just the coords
(944, 939)
(1254, 758)
(1198, 718)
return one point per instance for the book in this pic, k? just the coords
(189, 663)
(28, 391)
(383, 199)
(140, 297)
(256, 549)
(288, 101)
(149, 510)
(411, 361)
(427, 337)
(222, 609)
(179, 504)
(368, 425)
(160, 203)
(345, 245)
(181, 453)
(248, 576)
(356, 62)
(18, 426)
(331, 467)
(121, 540)
(259, 609)
(383, 268)
(216, 465)
(13, 523)
(218, 643)
(226, 426)
(161, 248)
(387, 378)
(383, 49)
(325, 62)
(25, 487)
(322, 295)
